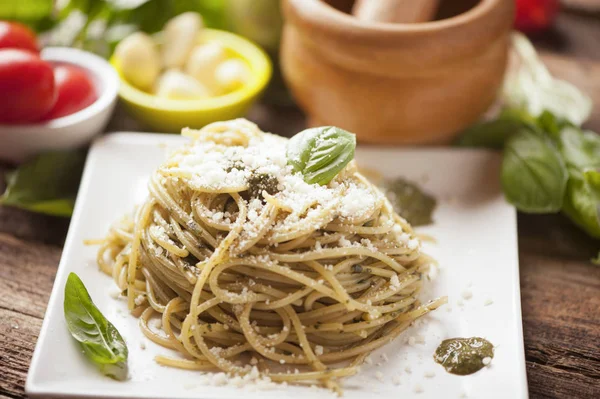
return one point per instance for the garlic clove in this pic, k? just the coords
(139, 60)
(180, 36)
(232, 74)
(203, 62)
(176, 85)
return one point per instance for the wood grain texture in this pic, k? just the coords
(560, 293)
(560, 288)
(27, 270)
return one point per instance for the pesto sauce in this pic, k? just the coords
(410, 202)
(463, 356)
(260, 182)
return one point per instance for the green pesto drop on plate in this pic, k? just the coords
(464, 356)
(410, 202)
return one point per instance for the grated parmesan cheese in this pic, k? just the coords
(394, 281)
(211, 166)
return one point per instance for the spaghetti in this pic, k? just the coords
(249, 266)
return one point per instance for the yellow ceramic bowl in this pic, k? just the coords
(168, 115)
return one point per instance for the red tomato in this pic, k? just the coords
(16, 35)
(26, 86)
(536, 15)
(75, 91)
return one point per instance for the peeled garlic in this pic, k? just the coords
(203, 62)
(180, 36)
(232, 74)
(176, 85)
(139, 60)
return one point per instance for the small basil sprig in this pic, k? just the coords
(534, 176)
(321, 153)
(99, 339)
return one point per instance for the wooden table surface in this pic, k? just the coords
(560, 288)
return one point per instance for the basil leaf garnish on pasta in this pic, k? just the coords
(321, 153)
(101, 342)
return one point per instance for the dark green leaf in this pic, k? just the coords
(493, 134)
(551, 124)
(47, 184)
(582, 200)
(99, 339)
(410, 202)
(321, 153)
(592, 178)
(25, 10)
(534, 176)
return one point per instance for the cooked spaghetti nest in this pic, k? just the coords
(249, 266)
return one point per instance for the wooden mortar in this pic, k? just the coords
(419, 83)
(395, 11)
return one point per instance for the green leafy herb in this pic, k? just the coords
(47, 184)
(534, 176)
(494, 133)
(582, 200)
(321, 153)
(532, 87)
(549, 164)
(580, 149)
(410, 202)
(552, 125)
(99, 339)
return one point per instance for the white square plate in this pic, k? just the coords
(476, 246)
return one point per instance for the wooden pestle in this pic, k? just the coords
(395, 11)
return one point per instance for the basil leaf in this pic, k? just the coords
(494, 133)
(580, 149)
(582, 200)
(99, 339)
(47, 184)
(321, 153)
(534, 176)
(532, 87)
(552, 124)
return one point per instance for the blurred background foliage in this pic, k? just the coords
(98, 25)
